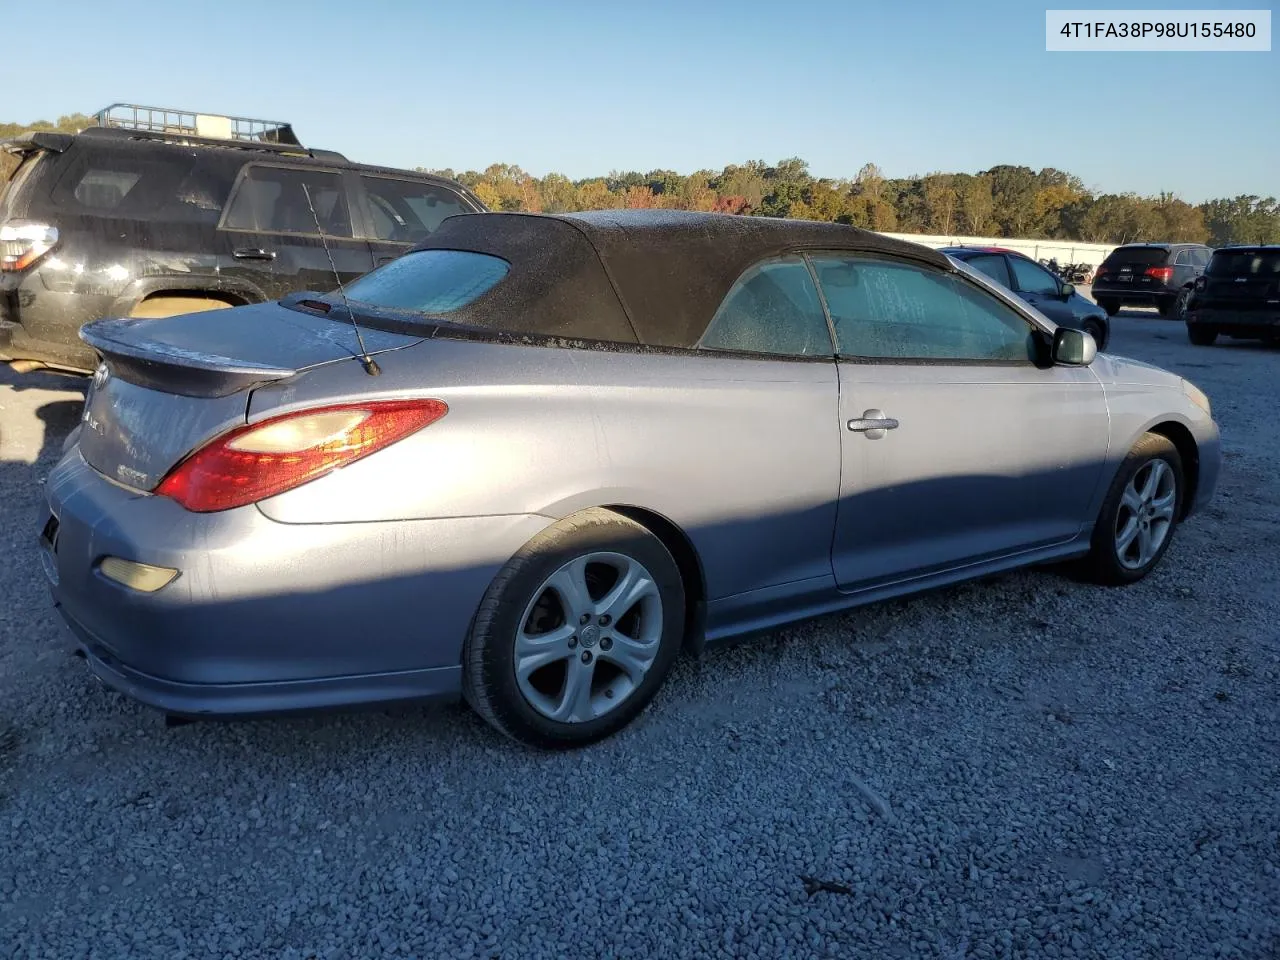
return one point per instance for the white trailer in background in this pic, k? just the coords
(1064, 251)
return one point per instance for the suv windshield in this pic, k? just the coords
(429, 282)
(1244, 263)
(1143, 256)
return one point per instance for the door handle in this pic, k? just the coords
(873, 423)
(253, 253)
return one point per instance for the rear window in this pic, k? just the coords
(9, 189)
(1245, 263)
(429, 281)
(1140, 256)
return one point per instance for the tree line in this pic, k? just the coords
(1005, 201)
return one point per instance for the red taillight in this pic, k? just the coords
(263, 459)
(1163, 274)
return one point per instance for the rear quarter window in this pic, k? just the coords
(130, 183)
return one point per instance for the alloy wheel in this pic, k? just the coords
(1145, 517)
(588, 637)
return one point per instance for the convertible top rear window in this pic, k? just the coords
(430, 282)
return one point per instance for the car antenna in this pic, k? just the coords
(370, 365)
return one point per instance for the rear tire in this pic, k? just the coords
(1139, 515)
(157, 307)
(1166, 306)
(560, 655)
(1201, 336)
(1112, 307)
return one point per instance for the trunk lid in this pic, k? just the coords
(168, 386)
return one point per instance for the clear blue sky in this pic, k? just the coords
(587, 86)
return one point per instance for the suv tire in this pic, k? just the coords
(1201, 336)
(1166, 306)
(1112, 307)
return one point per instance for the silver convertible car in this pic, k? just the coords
(537, 457)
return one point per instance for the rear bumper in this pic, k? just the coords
(1262, 324)
(267, 617)
(17, 344)
(234, 700)
(1126, 294)
(43, 325)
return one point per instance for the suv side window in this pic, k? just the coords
(887, 310)
(275, 200)
(1201, 256)
(772, 309)
(406, 211)
(1033, 278)
(1183, 259)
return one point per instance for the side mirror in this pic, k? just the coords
(1068, 289)
(1073, 348)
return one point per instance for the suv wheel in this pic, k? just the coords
(1111, 306)
(1180, 305)
(155, 307)
(1166, 306)
(1201, 336)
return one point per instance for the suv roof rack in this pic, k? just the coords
(187, 126)
(212, 126)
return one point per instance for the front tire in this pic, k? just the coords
(576, 633)
(1139, 516)
(1201, 336)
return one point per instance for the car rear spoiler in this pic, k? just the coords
(135, 356)
(41, 140)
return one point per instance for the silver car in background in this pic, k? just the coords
(538, 456)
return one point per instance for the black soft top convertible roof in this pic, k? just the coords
(652, 277)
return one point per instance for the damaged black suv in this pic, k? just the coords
(154, 213)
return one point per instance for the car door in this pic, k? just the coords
(289, 228)
(1040, 288)
(401, 211)
(957, 447)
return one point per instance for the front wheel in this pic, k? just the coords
(1201, 336)
(1139, 516)
(576, 633)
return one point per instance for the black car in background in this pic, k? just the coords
(155, 212)
(1159, 275)
(1049, 294)
(1238, 296)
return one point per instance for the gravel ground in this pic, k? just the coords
(1022, 768)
